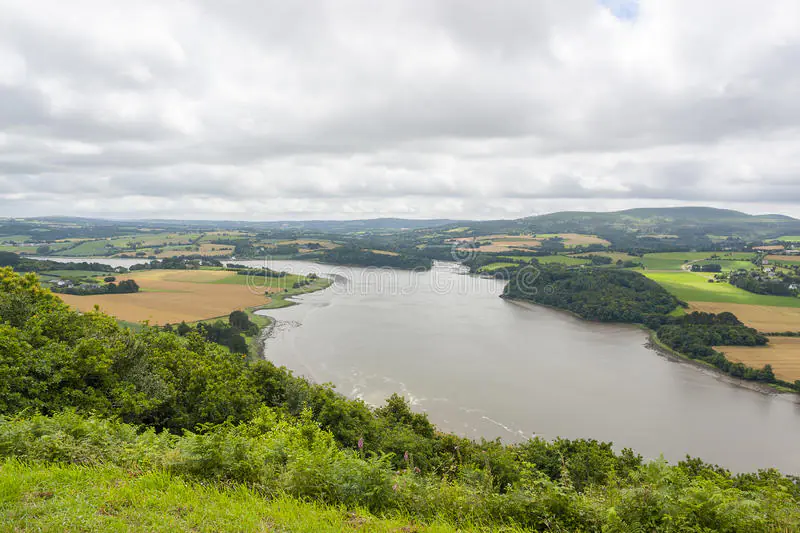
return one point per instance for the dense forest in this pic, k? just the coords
(80, 388)
(607, 295)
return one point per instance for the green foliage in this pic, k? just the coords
(606, 295)
(157, 404)
(353, 255)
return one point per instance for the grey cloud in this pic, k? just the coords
(453, 108)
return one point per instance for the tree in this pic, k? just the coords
(240, 320)
(9, 259)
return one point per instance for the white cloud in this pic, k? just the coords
(266, 109)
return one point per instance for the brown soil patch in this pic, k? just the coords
(783, 353)
(789, 258)
(765, 318)
(170, 296)
(769, 248)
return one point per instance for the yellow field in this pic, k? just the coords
(510, 243)
(206, 249)
(383, 252)
(765, 318)
(783, 353)
(576, 239)
(170, 296)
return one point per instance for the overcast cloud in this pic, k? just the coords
(257, 109)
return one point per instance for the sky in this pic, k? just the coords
(275, 110)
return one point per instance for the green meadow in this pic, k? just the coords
(789, 238)
(695, 287)
(491, 267)
(676, 260)
(110, 498)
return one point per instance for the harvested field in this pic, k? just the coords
(509, 243)
(383, 252)
(788, 258)
(783, 353)
(170, 296)
(765, 318)
(576, 239)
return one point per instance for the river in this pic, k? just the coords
(482, 366)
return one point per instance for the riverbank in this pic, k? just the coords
(653, 343)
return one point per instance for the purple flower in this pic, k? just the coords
(405, 457)
(361, 443)
(395, 487)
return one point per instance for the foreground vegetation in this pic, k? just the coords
(167, 425)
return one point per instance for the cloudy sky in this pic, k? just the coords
(260, 109)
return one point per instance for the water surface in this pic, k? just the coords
(485, 367)
(481, 366)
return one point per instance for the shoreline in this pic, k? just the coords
(661, 349)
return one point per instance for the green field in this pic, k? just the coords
(491, 267)
(789, 238)
(72, 274)
(676, 260)
(728, 265)
(96, 248)
(110, 498)
(18, 239)
(694, 287)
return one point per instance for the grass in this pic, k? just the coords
(80, 498)
(728, 265)
(491, 267)
(694, 287)
(87, 249)
(676, 260)
(789, 238)
(78, 273)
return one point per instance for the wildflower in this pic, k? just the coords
(361, 443)
(405, 457)
(417, 470)
(395, 487)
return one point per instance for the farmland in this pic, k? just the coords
(765, 318)
(615, 256)
(170, 296)
(783, 258)
(676, 260)
(695, 287)
(783, 353)
(517, 243)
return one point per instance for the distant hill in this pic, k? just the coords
(655, 228)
